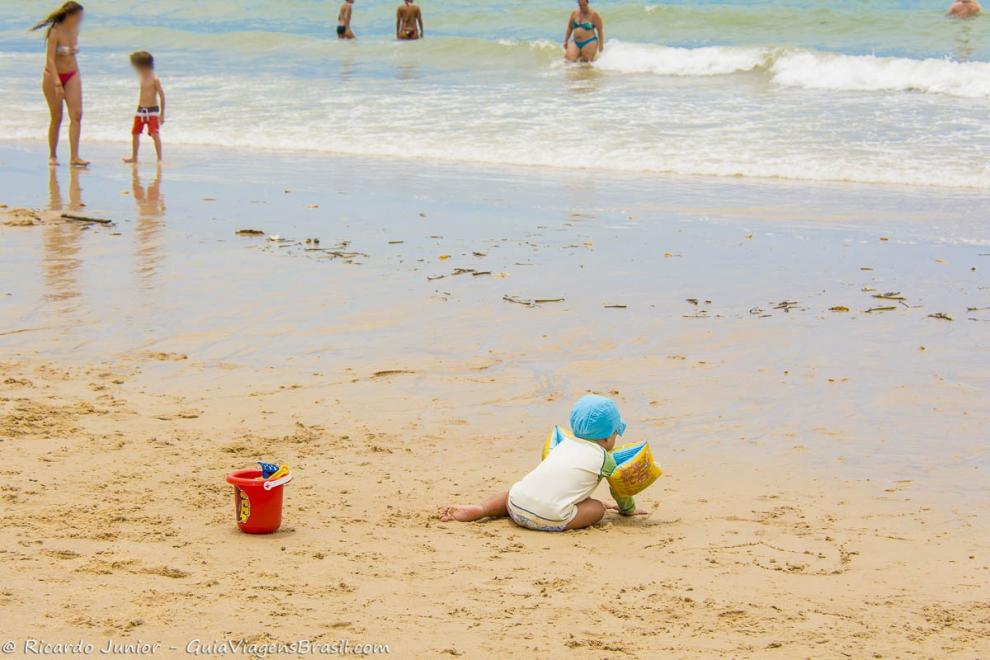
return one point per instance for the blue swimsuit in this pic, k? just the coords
(584, 26)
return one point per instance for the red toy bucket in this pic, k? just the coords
(257, 502)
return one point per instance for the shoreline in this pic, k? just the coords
(643, 177)
(822, 480)
(886, 202)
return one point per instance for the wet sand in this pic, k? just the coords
(824, 488)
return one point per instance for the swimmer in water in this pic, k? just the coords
(409, 21)
(588, 32)
(964, 9)
(62, 82)
(344, 20)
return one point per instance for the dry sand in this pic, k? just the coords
(823, 492)
(118, 524)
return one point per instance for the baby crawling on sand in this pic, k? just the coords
(556, 496)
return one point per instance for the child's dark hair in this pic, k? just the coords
(58, 16)
(143, 59)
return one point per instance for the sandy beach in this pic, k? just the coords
(824, 448)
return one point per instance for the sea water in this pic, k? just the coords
(877, 91)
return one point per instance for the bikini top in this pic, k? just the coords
(584, 26)
(67, 50)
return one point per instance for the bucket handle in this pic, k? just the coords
(278, 482)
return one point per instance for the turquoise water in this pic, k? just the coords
(888, 92)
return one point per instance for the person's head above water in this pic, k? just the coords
(965, 8)
(596, 417)
(70, 14)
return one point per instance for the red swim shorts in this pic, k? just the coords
(140, 121)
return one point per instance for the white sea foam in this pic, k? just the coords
(803, 68)
(813, 70)
(668, 61)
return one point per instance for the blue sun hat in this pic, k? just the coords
(596, 417)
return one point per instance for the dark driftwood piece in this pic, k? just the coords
(85, 218)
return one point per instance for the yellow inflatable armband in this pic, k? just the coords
(635, 469)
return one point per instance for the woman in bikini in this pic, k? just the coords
(588, 32)
(61, 81)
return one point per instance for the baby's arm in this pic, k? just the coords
(624, 505)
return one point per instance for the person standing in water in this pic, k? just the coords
(964, 9)
(61, 82)
(585, 37)
(344, 20)
(409, 21)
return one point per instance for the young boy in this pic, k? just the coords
(556, 496)
(151, 104)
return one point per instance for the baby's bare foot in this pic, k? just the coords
(79, 162)
(129, 159)
(461, 513)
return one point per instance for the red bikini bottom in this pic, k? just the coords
(65, 77)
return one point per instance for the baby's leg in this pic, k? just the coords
(589, 512)
(495, 506)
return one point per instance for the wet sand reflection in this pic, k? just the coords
(150, 228)
(61, 241)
